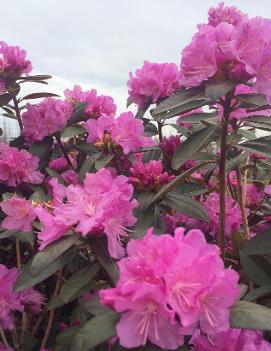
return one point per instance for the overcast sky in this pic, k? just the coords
(96, 43)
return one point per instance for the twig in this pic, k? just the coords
(18, 253)
(52, 312)
(64, 151)
(24, 328)
(3, 337)
(242, 205)
(17, 111)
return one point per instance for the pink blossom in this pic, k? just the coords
(4, 348)
(20, 214)
(125, 131)
(253, 195)
(149, 176)
(9, 300)
(33, 299)
(170, 144)
(152, 82)
(96, 105)
(164, 276)
(232, 339)
(70, 177)
(13, 62)
(233, 215)
(58, 164)
(101, 205)
(221, 13)
(18, 166)
(45, 118)
(52, 230)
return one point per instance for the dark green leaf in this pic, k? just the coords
(5, 99)
(93, 306)
(45, 257)
(150, 129)
(52, 173)
(193, 144)
(256, 268)
(261, 145)
(129, 101)
(258, 293)
(37, 77)
(77, 113)
(258, 119)
(186, 205)
(215, 89)
(39, 96)
(26, 280)
(259, 245)
(87, 166)
(247, 315)
(191, 189)
(252, 99)
(145, 220)
(99, 246)
(71, 131)
(95, 331)
(43, 150)
(235, 162)
(197, 117)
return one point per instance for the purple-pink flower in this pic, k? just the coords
(103, 204)
(18, 166)
(152, 82)
(221, 13)
(233, 340)
(164, 277)
(13, 62)
(149, 176)
(45, 118)
(97, 105)
(20, 214)
(124, 131)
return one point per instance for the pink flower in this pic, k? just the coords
(33, 299)
(70, 177)
(125, 131)
(233, 215)
(148, 176)
(9, 300)
(96, 105)
(18, 166)
(253, 195)
(164, 276)
(45, 118)
(13, 62)
(152, 82)
(170, 144)
(101, 205)
(52, 230)
(232, 339)
(3, 348)
(58, 164)
(20, 214)
(221, 13)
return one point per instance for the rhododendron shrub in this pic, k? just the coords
(143, 230)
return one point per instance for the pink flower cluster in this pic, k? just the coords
(149, 176)
(18, 166)
(219, 14)
(45, 118)
(170, 144)
(13, 62)
(233, 215)
(20, 214)
(169, 286)
(152, 82)
(11, 301)
(97, 105)
(101, 205)
(240, 51)
(233, 340)
(125, 131)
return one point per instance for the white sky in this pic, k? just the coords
(96, 43)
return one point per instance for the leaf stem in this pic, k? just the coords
(3, 337)
(222, 173)
(64, 151)
(17, 111)
(242, 205)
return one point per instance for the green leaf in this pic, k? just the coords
(39, 96)
(258, 119)
(74, 286)
(95, 331)
(77, 113)
(182, 101)
(247, 315)
(261, 145)
(87, 166)
(145, 220)
(256, 268)
(252, 99)
(35, 78)
(197, 117)
(193, 144)
(176, 181)
(235, 162)
(45, 257)
(43, 150)
(186, 205)
(71, 131)
(93, 306)
(215, 89)
(5, 99)
(191, 189)
(129, 101)
(259, 245)
(99, 246)
(26, 280)
(258, 293)
(52, 173)
(150, 129)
